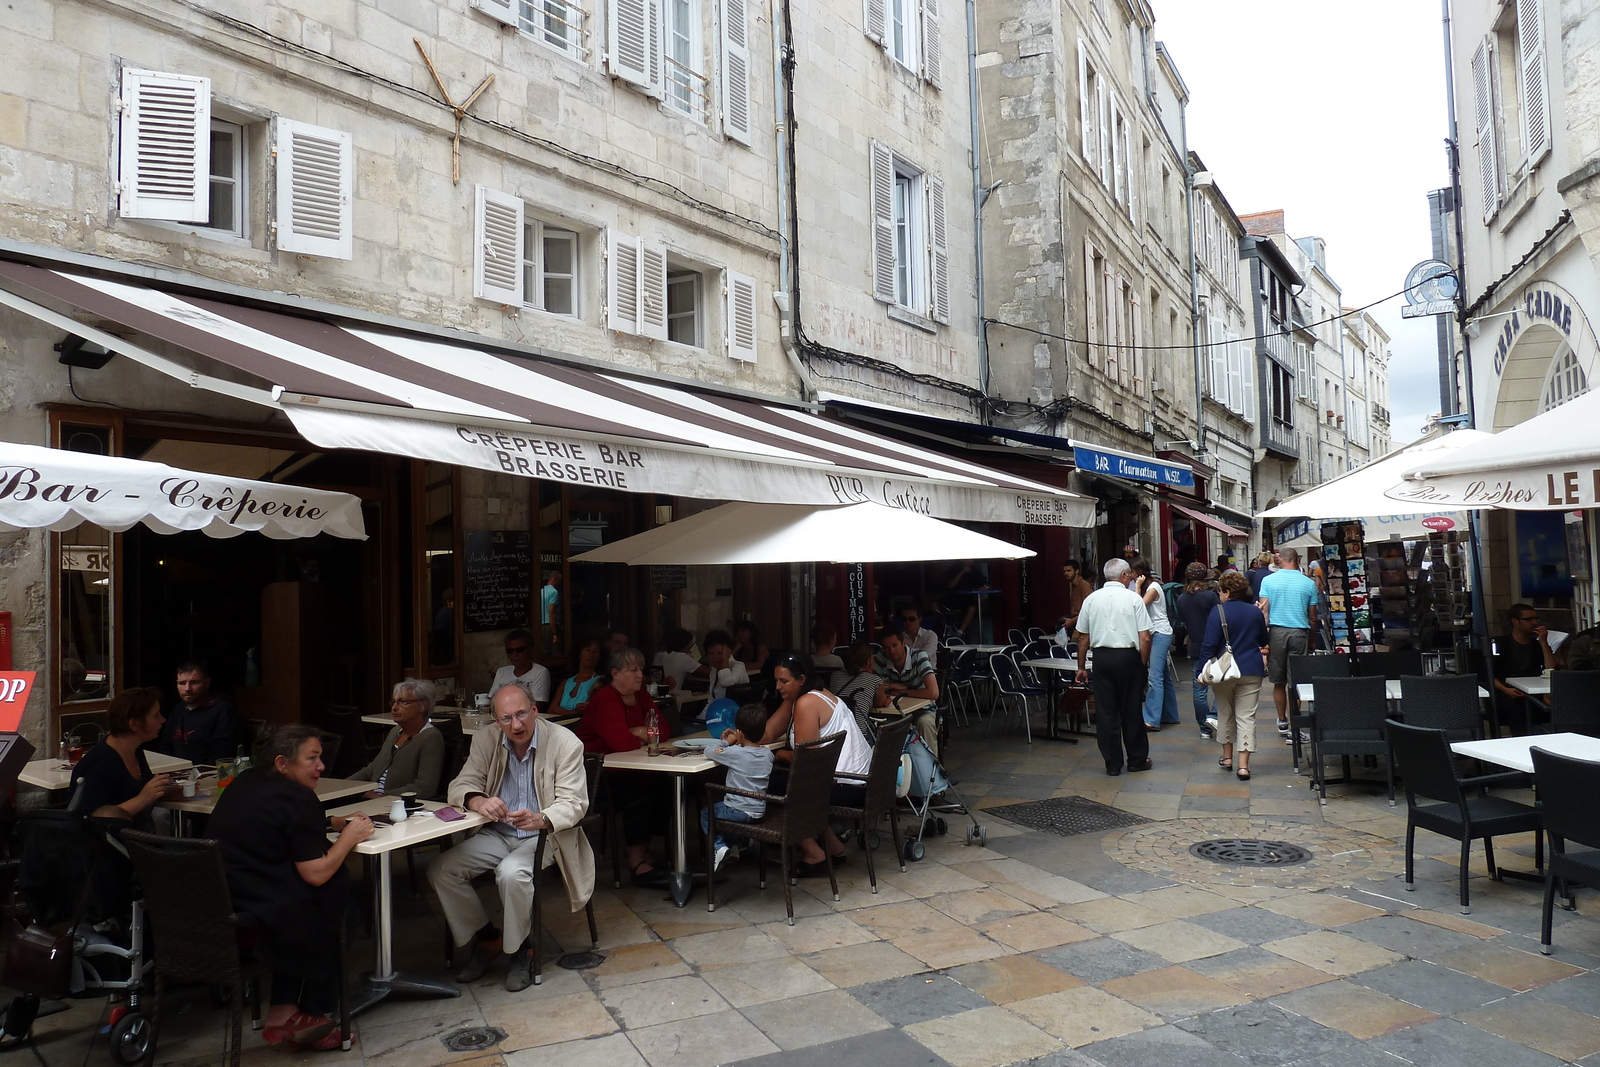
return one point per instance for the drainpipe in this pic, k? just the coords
(979, 198)
(1194, 303)
(787, 298)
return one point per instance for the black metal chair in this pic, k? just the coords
(880, 788)
(1303, 670)
(1575, 702)
(1447, 702)
(790, 819)
(1389, 664)
(197, 932)
(1348, 721)
(1437, 800)
(1567, 788)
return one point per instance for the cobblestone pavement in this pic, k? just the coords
(1096, 950)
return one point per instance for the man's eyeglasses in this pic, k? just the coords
(516, 650)
(516, 716)
(1526, 618)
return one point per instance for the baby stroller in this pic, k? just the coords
(921, 779)
(74, 877)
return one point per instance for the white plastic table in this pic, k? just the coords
(1517, 752)
(1536, 686)
(204, 802)
(680, 882)
(1057, 666)
(56, 774)
(1306, 691)
(419, 828)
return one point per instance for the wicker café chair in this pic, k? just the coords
(1447, 702)
(197, 933)
(1348, 721)
(789, 819)
(880, 787)
(1566, 797)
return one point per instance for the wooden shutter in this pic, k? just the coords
(1102, 133)
(497, 252)
(165, 150)
(316, 190)
(1135, 337)
(938, 253)
(1535, 93)
(653, 290)
(932, 45)
(1133, 169)
(1218, 361)
(882, 177)
(622, 282)
(1119, 163)
(1247, 372)
(875, 21)
(500, 10)
(1085, 106)
(740, 323)
(633, 43)
(1235, 376)
(1091, 304)
(1483, 123)
(735, 71)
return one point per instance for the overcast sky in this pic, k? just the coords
(1310, 108)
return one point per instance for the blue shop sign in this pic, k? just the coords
(1133, 468)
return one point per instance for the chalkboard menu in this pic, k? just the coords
(499, 574)
(666, 579)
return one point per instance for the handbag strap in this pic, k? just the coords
(1222, 613)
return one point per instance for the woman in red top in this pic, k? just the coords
(615, 721)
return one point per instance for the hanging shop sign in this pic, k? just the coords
(1134, 468)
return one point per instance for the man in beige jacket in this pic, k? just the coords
(527, 779)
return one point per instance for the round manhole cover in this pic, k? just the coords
(473, 1038)
(581, 961)
(1250, 852)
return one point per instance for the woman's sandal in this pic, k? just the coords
(299, 1029)
(1226, 763)
(654, 876)
(334, 1039)
(1244, 774)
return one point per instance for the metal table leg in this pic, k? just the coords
(680, 882)
(385, 980)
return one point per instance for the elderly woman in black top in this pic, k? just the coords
(115, 774)
(283, 872)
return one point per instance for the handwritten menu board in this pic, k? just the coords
(499, 574)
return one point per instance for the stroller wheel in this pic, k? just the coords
(915, 850)
(873, 842)
(130, 1039)
(940, 827)
(977, 836)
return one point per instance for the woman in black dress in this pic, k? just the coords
(113, 778)
(283, 872)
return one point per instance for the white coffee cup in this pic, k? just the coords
(188, 787)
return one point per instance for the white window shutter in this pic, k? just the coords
(622, 282)
(735, 71)
(740, 323)
(1091, 308)
(882, 222)
(1103, 115)
(165, 147)
(1483, 122)
(1247, 372)
(938, 253)
(653, 290)
(1535, 93)
(316, 190)
(1085, 106)
(1219, 361)
(1133, 170)
(932, 45)
(633, 42)
(500, 10)
(1136, 339)
(497, 252)
(1235, 379)
(875, 21)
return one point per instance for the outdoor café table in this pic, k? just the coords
(680, 882)
(1056, 665)
(1536, 686)
(1516, 752)
(422, 826)
(985, 649)
(902, 706)
(1391, 691)
(57, 774)
(204, 802)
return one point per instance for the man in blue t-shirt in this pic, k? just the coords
(1289, 601)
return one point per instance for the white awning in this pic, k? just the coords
(53, 489)
(788, 533)
(464, 403)
(1307, 533)
(1361, 493)
(1549, 463)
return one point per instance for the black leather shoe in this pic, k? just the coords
(1140, 765)
(1113, 771)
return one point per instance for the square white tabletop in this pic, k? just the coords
(1306, 691)
(54, 774)
(956, 647)
(204, 802)
(1517, 752)
(1536, 686)
(1053, 663)
(421, 826)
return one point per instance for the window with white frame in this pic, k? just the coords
(521, 260)
(908, 32)
(1095, 306)
(1091, 112)
(550, 268)
(1510, 102)
(687, 88)
(911, 260)
(228, 184)
(561, 24)
(685, 305)
(1567, 381)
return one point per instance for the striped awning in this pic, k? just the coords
(357, 386)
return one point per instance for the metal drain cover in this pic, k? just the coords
(473, 1038)
(581, 961)
(1250, 852)
(1067, 816)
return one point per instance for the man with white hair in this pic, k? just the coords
(1115, 623)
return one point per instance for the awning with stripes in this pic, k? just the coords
(357, 386)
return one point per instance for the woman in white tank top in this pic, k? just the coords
(809, 712)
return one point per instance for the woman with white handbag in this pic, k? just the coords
(1235, 666)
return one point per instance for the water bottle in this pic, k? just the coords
(652, 735)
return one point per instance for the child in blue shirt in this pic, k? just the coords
(749, 764)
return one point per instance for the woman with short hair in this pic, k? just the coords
(411, 758)
(272, 833)
(617, 721)
(1234, 701)
(114, 774)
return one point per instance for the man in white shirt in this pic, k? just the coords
(519, 650)
(917, 638)
(720, 669)
(1115, 623)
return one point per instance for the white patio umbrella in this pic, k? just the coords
(802, 533)
(55, 489)
(1361, 494)
(1549, 463)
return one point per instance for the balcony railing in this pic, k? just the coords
(1278, 436)
(1277, 346)
(687, 90)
